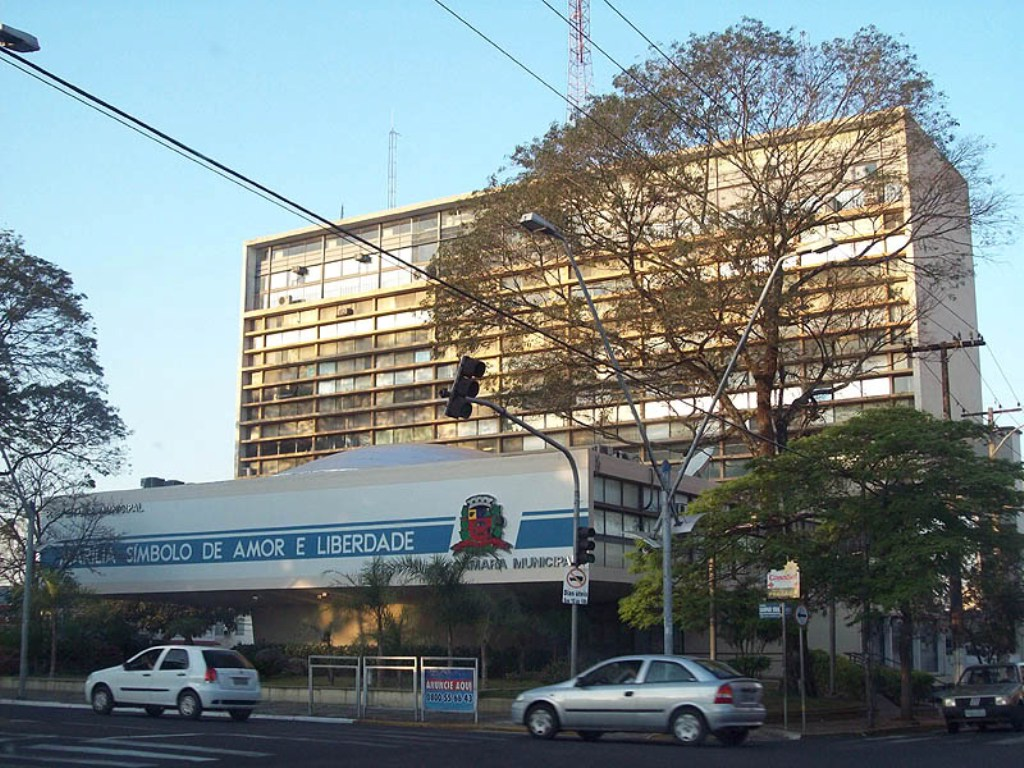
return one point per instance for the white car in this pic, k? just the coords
(189, 678)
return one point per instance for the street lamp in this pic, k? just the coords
(994, 448)
(23, 42)
(814, 246)
(15, 40)
(26, 595)
(534, 222)
(537, 224)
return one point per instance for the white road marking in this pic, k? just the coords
(137, 742)
(81, 749)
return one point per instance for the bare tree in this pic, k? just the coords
(57, 431)
(680, 192)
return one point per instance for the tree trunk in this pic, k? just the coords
(53, 643)
(906, 665)
(869, 692)
(483, 665)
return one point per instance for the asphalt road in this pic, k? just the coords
(61, 736)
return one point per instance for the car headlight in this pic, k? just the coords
(1002, 701)
(949, 702)
(520, 697)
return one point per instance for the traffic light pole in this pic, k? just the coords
(575, 616)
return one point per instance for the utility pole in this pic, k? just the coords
(993, 447)
(943, 348)
(956, 587)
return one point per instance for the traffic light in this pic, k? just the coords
(465, 385)
(585, 545)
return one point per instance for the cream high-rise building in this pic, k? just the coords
(337, 340)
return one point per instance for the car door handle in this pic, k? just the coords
(628, 693)
(181, 674)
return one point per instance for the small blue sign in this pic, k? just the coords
(449, 690)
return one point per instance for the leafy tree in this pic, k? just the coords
(679, 193)
(994, 596)
(878, 512)
(164, 620)
(57, 431)
(449, 599)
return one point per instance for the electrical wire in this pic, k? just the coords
(150, 132)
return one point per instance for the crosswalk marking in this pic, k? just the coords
(135, 741)
(82, 749)
(48, 761)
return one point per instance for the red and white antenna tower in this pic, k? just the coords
(580, 75)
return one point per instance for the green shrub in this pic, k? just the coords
(849, 676)
(751, 666)
(850, 679)
(887, 683)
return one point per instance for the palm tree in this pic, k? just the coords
(373, 592)
(56, 592)
(449, 598)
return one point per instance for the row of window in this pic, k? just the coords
(261, 441)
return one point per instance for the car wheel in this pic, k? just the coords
(590, 735)
(732, 737)
(542, 722)
(154, 711)
(102, 700)
(189, 705)
(240, 715)
(688, 727)
(952, 727)
(1017, 720)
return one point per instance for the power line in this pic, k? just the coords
(159, 137)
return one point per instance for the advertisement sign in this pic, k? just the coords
(785, 584)
(449, 689)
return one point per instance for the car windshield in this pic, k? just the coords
(226, 660)
(1003, 673)
(719, 669)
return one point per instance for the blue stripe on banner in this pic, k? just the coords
(547, 532)
(540, 529)
(395, 540)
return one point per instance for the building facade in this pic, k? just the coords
(338, 353)
(283, 550)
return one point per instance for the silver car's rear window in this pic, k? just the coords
(226, 660)
(719, 669)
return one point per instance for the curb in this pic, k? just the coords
(772, 732)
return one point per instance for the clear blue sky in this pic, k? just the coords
(300, 96)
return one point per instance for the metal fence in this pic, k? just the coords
(366, 685)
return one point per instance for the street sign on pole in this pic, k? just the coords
(802, 615)
(575, 586)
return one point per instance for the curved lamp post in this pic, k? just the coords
(534, 222)
(15, 40)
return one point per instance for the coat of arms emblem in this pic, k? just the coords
(481, 525)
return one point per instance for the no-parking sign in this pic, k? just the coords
(576, 585)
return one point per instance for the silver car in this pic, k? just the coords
(684, 696)
(189, 678)
(986, 694)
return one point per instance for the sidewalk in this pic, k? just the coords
(292, 704)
